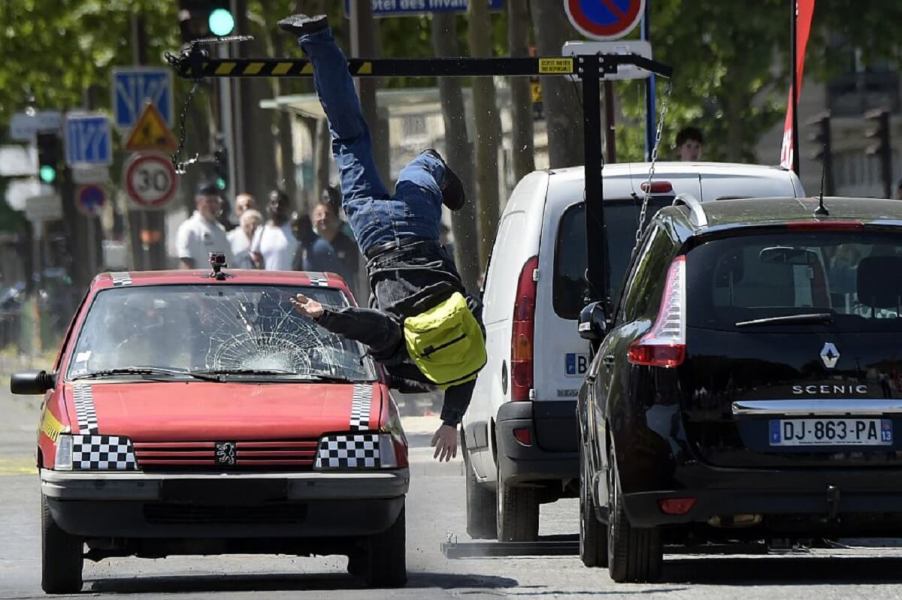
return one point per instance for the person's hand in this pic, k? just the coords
(307, 306)
(445, 443)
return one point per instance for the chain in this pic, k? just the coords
(179, 164)
(654, 158)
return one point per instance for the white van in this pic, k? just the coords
(519, 434)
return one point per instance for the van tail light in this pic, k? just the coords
(523, 332)
(657, 187)
(665, 344)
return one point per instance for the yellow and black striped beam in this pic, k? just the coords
(194, 67)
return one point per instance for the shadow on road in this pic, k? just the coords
(278, 582)
(802, 570)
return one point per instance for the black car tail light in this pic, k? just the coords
(665, 344)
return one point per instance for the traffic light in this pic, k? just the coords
(879, 135)
(49, 154)
(824, 152)
(205, 18)
(221, 156)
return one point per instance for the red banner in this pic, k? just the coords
(804, 11)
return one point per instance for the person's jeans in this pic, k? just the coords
(375, 216)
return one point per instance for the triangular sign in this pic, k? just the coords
(151, 132)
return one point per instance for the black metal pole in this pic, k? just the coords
(595, 231)
(795, 88)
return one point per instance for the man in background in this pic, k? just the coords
(332, 250)
(274, 244)
(202, 233)
(243, 202)
(241, 237)
(689, 143)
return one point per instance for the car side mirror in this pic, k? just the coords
(593, 322)
(32, 383)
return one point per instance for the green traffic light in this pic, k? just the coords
(221, 22)
(47, 174)
(220, 183)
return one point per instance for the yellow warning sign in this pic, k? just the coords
(151, 132)
(555, 65)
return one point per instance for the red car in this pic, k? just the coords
(196, 412)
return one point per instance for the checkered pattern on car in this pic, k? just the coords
(83, 397)
(99, 452)
(121, 278)
(349, 451)
(361, 402)
(319, 279)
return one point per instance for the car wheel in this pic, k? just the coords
(593, 539)
(387, 557)
(62, 556)
(634, 554)
(480, 505)
(517, 513)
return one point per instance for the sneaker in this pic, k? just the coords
(303, 25)
(453, 195)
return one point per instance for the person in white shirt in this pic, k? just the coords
(241, 237)
(202, 234)
(274, 244)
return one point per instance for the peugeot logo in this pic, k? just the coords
(225, 454)
(829, 354)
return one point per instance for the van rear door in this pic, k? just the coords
(561, 356)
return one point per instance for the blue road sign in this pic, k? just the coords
(604, 19)
(402, 8)
(133, 87)
(88, 140)
(90, 199)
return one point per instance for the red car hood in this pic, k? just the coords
(202, 411)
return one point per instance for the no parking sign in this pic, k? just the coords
(604, 19)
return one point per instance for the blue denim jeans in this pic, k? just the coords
(376, 216)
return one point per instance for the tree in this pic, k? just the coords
(562, 99)
(457, 152)
(488, 131)
(522, 131)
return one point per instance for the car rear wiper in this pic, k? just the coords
(145, 371)
(789, 319)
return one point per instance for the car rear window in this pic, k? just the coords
(854, 276)
(215, 327)
(621, 219)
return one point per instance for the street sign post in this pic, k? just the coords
(604, 19)
(151, 132)
(25, 125)
(90, 199)
(624, 47)
(411, 8)
(150, 180)
(46, 207)
(88, 140)
(133, 87)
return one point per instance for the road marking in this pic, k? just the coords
(17, 466)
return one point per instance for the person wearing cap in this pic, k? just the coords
(422, 326)
(202, 233)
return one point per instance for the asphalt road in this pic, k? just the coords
(435, 509)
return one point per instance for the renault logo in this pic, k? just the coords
(829, 354)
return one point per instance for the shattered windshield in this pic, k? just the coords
(231, 330)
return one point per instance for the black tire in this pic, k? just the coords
(517, 513)
(386, 557)
(593, 535)
(480, 505)
(62, 556)
(634, 554)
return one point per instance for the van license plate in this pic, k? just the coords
(831, 432)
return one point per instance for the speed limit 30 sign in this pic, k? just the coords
(150, 179)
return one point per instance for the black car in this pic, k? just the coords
(748, 386)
